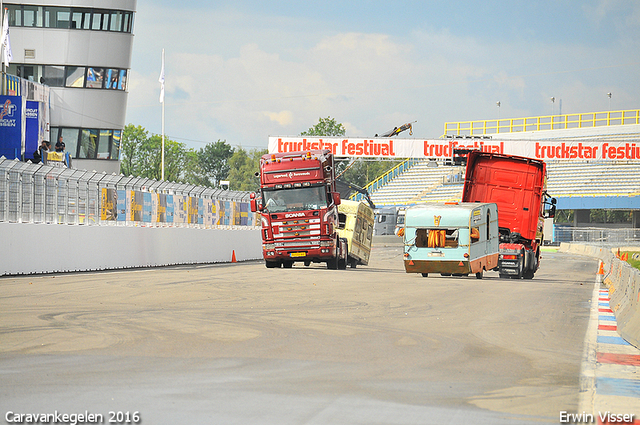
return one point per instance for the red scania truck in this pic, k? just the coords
(518, 186)
(298, 203)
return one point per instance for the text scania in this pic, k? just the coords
(342, 148)
(291, 215)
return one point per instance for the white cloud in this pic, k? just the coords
(231, 76)
(283, 118)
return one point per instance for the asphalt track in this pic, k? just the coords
(242, 344)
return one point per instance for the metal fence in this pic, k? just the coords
(37, 193)
(596, 235)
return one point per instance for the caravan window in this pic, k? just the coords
(436, 238)
(475, 234)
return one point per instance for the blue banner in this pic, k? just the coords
(32, 128)
(170, 208)
(147, 207)
(11, 127)
(121, 212)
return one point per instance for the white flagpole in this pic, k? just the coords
(162, 100)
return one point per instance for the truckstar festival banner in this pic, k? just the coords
(443, 148)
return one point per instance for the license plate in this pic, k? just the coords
(298, 254)
(435, 254)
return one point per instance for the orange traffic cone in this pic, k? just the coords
(233, 257)
(600, 273)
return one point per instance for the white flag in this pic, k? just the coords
(4, 41)
(161, 79)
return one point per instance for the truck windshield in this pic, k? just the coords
(306, 198)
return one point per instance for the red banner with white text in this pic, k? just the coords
(443, 148)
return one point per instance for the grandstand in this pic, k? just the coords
(577, 185)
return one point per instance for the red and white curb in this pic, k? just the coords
(610, 381)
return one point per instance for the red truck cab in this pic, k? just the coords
(518, 186)
(298, 206)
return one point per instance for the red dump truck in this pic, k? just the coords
(298, 203)
(518, 186)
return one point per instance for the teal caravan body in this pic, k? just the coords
(451, 238)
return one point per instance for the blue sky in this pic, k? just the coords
(242, 71)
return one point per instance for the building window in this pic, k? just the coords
(75, 76)
(70, 139)
(70, 17)
(54, 76)
(32, 16)
(115, 144)
(95, 77)
(72, 76)
(15, 15)
(104, 144)
(86, 20)
(116, 21)
(76, 20)
(111, 82)
(57, 17)
(89, 143)
(122, 82)
(100, 20)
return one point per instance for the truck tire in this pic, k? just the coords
(272, 264)
(342, 263)
(425, 274)
(479, 275)
(287, 264)
(332, 264)
(528, 274)
(353, 263)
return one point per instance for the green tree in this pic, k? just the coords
(361, 172)
(213, 163)
(142, 155)
(244, 166)
(150, 161)
(325, 127)
(132, 138)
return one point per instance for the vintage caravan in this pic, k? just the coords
(355, 224)
(451, 239)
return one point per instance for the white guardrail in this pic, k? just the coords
(56, 219)
(623, 282)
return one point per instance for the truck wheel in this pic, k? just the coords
(342, 263)
(332, 264)
(528, 274)
(287, 264)
(344, 251)
(353, 263)
(272, 264)
(307, 263)
(425, 274)
(479, 275)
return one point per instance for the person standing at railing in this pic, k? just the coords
(60, 149)
(40, 154)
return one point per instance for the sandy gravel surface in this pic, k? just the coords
(240, 342)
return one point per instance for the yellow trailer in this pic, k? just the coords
(356, 226)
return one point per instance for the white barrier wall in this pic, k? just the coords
(623, 282)
(45, 248)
